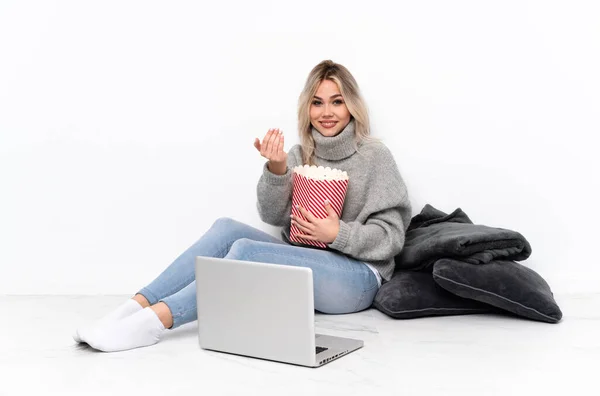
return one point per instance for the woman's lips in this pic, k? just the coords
(328, 124)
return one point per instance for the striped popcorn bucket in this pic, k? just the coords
(311, 193)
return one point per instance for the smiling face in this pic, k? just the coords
(328, 111)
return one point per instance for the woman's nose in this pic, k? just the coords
(327, 111)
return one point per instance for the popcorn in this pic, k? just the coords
(312, 185)
(320, 173)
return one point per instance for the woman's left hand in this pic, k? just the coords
(315, 229)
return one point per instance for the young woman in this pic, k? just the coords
(334, 131)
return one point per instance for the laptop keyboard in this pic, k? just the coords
(321, 349)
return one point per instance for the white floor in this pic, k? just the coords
(455, 355)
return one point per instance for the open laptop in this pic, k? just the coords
(264, 311)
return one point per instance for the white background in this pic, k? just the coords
(126, 127)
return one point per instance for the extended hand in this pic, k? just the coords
(272, 147)
(315, 229)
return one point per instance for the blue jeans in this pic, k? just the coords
(341, 284)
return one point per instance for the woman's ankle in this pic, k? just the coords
(163, 312)
(141, 300)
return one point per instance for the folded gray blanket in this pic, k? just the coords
(433, 235)
(450, 266)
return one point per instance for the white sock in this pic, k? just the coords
(127, 308)
(141, 329)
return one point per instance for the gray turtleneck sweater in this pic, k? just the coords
(376, 210)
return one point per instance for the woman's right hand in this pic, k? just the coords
(272, 148)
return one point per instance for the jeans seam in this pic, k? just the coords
(362, 296)
(179, 315)
(360, 300)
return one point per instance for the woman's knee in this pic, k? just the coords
(230, 227)
(242, 248)
(225, 222)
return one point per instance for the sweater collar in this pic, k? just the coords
(336, 147)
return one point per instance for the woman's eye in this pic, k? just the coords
(337, 102)
(316, 103)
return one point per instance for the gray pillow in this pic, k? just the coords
(412, 294)
(503, 284)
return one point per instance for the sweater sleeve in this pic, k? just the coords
(379, 231)
(274, 192)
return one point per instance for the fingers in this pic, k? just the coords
(306, 237)
(300, 226)
(269, 148)
(263, 146)
(273, 143)
(279, 145)
(307, 215)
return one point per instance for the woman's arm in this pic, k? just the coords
(274, 191)
(378, 230)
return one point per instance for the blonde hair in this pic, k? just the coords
(329, 70)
